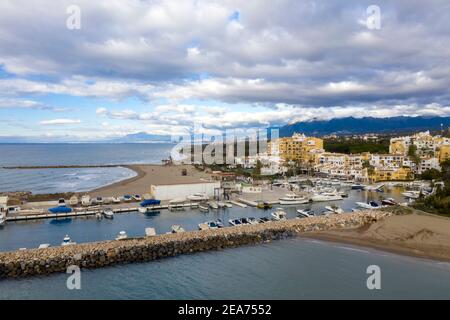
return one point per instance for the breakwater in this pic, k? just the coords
(100, 254)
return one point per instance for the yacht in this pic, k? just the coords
(293, 199)
(334, 209)
(67, 241)
(211, 225)
(122, 235)
(357, 186)
(411, 194)
(116, 200)
(203, 207)
(221, 204)
(252, 220)
(177, 229)
(370, 205)
(108, 213)
(228, 205)
(264, 220)
(150, 202)
(306, 213)
(61, 202)
(137, 197)
(85, 200)
(98, 200)
(198, 197)
(279, 214)
(2, 218)
(73, 200)
(213, 205)
(127, 198)
(326, 196)
(44, 246)
(235, 222)
(389, 202)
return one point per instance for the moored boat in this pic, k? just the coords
(150, 202)
(122, 235)
(198, 197)
(389, 202)
(264, 205)
(369, 205)
(305, 213)
(279, 214)
(60, 209)
(85, 200)
(108, 213)
(177, 229)
(203, 207)
(293, 199)
(334, 209)
(67, 241)
(2, 218)
(235, 222)
(326, 196)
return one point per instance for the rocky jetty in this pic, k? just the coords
(99, 254)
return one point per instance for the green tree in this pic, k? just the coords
(412, 153)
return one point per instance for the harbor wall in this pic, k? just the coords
(100, 254)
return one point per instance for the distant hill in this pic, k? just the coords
(352, 125)
(141, 137)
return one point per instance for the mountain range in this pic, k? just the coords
(351, 125)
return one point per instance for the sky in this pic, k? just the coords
(133, 66)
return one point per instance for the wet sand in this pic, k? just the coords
(418, 234)
(148, 175)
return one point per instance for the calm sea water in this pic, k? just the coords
(287, 269)
(41, 181)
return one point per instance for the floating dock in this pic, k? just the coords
(248, 202)
(239, 204)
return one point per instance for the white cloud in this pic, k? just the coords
(59, 122)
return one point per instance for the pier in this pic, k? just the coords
(34, 262)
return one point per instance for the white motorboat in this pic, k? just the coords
(370, 205)
(150, 232)
(279, 214)
(2, 218)
(228, 205)
(306, 213)
(44, 246)
(221, 204)
(213, 205)
(108, 213)
(211, 225)
(326, 196)
(198, 197)
(122, 235)
(293, 199)
(61, 202)
(177, 201)
(67, 241)
(142, 209)
(116, 200)
(203, 207)
(235, 222)
(137, 197)
(73, 200)
(177, 229)
(334, 209)
(252, 220)
(85, 200)
(411, 194)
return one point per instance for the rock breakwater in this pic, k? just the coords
(100, 254)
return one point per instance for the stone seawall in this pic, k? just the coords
(100, 254)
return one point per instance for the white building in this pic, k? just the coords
(428, 163)
(175, 191)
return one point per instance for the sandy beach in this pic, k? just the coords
(148, 175)
(417, 234)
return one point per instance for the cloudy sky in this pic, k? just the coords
(160, 66)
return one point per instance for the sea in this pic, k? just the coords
(297, 268)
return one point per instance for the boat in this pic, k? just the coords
(279, 214)
(264, 205)
(228, 205)
(334, 209)
(203, 207)
(235, 222)
(67, 241)
(411, 194)
(211, 225)
(252, 220)
(245, 221)
(2, 218)
(150, 202)
(142, 209)
(198, 197)
(108, 213)
(213, 205)
(389, 202)
(122, 235)
(60, 209)
(306, 213)
(137, 197)
(264, 220)
(293, 199)
(127, 198)
(85, 200)
(369, 205)
(221, 204)
(326, 196)
(357, 186)
(116, 200)
(44, 246)
(61, 202)
(177, 201)
(177, 229)
(73, 201)
(99, 216)
(150, 232)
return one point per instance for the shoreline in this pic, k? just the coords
(418, 235)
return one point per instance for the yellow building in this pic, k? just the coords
(397, 147)
(444, 153)
(391, 174)
(295, 148)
